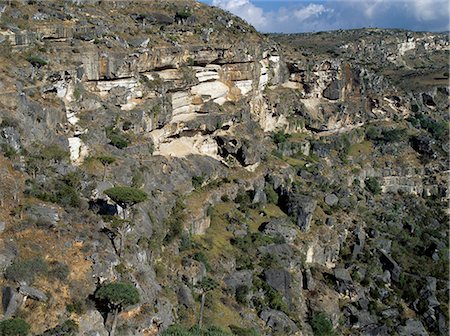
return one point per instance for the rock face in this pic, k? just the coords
(280, 227)
(301, 207)
(279, 280)
(32, 292)
(278, 321)
(11, 300)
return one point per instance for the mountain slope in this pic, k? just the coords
(294, 184)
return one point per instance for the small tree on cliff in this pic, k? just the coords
(106, 161)
(115, 296)
(126, 197)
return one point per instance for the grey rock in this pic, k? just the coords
(278, 321)
(8, 252)
(194, 271)
(301, 207)
(185, 297)
(44, 215)
(390, 313)
(91, 324)
(431, 284)
(2, 226)
(382, 330)
(238, 279)
(333, 90)
(360, 241)
(342, 274)
(280, 280)
(384, 244)
(330, 222)
(386, 277)
(11, 301)
(373, 233)
(33, 293)
(281, 251)
(308, 282)
(412, 328)
(10, 137)
(280, 227)
(259, 197)
(331, 199)
(391, 265)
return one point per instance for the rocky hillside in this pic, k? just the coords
(167, 170)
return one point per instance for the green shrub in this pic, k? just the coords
(241, 294)
(272, 196)
(77, 306)
(177, 330)
(201, 257)
(380, 134)
(174, 223)
(116, 138)
(8, 151)
(373, 185)
(68, 328)
(55, 153)
(280, 137)
(59, 270)
(438, 129)
(238, 331)
(184, 14)
(26, 270)
(36, 61)
(197, 181)
(322, 325)
(14, 327)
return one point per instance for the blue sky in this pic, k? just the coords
(307, 16)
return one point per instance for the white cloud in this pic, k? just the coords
(428, 10)
(246, 10)
(310, 11)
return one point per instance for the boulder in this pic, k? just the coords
(331, 199)
(33, 293)
(278, 321)
(44, 215)
(301, 207)
(308, 280)
(333, 90)
(11, 301)
(185, 297)
(391, 265)
(280, 280)
(283, 252)
(91, 324)
(359, 241)
(10, 137)
(238, 279)
(342, 274)
(2, 226)
(280, 227)
(412, 328)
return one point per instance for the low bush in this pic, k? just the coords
(116, 138)
(14, 327)
(373, 185)
(26, 270)
(322, 325)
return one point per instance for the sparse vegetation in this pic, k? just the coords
(14, 327)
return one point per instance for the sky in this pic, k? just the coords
(291, 16)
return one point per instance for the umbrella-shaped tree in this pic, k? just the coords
(115, 296)
(125, 197)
